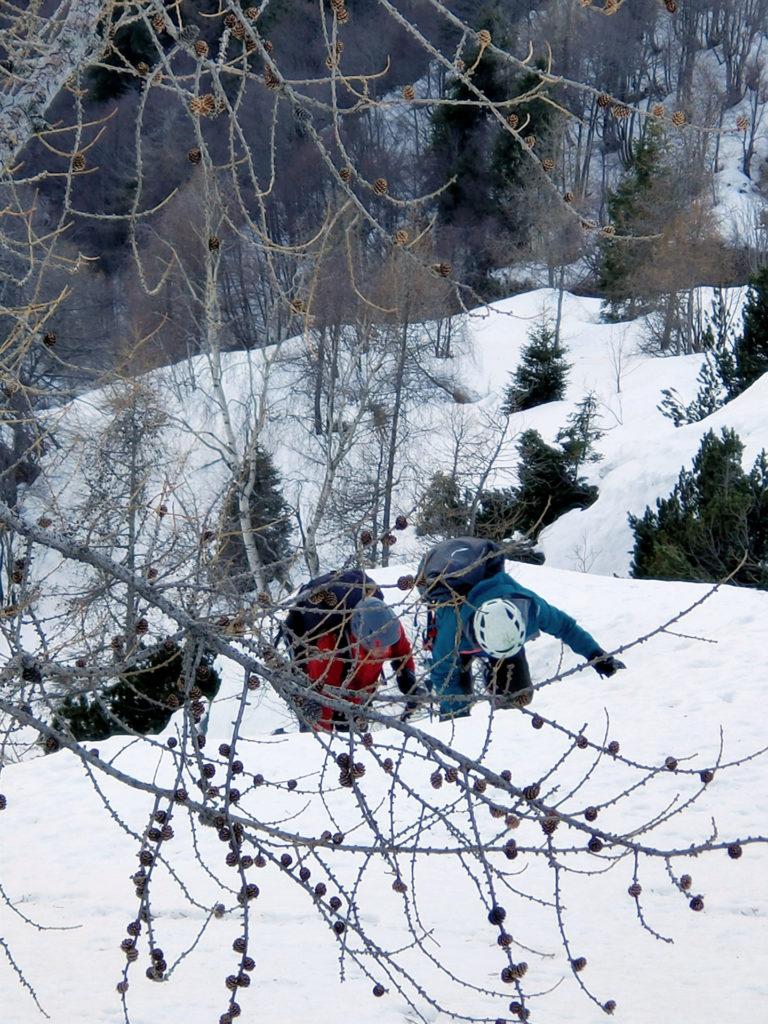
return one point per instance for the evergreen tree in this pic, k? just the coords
(750, 351)
(549, 485)
(270, 524)
(715, 516)
(542, 374)
(579, 437)
(633, 209)
(143, 699)
(731, 363)
(443, 510)
(497, 514)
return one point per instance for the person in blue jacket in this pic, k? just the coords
(490, 615)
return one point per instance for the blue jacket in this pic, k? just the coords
(454, 633)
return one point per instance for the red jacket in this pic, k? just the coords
(342, 662)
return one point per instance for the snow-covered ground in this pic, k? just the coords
(65, 860)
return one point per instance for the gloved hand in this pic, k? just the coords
(605, 664)
(417, 695)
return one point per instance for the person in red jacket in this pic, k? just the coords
(347, 664)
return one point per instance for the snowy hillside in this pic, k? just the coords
(65, 860)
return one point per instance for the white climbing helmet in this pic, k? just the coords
(499, 626)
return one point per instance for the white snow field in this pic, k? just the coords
(65, 860)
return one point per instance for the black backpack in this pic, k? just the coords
(325, 604)
(454, 566)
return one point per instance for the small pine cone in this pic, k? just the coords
(116, 643)
(338, 838)
(537, 722)
(479, 785)
(201, 48)
(510, 849)
(231, 982)
(399, 885)
(409, 93)
(321, 889)
(248, 963)
(507, 975)
(44, 522)
(604, 100)
(166, 832)
(590, 813)
(345, 779)
(286, 860)
(610, 1006)
(389, 539)
(443, 269)
(270, 79)
(225, 1018)
(678, 118)
(160, 817)
(530, 141)
(548, 163)
(51, 745)
(339, 927)
(459, 65)
(670, 763)
(232, 859)
(173, 703)
(151, 573)
(380, 187)
(595, 845)
(358, 771)
(378, 990)
(506, 774)
(366, 537)
(608, 230)
(504, 940)
(239, 945)
(635, 889)
(658, 110)
(230, 20)
(451, 774)
(532, 792)
(401, 237)
(706, 776)
(142, 67)
(568, 197)
(237, 769)
(142, 626)
(334, 903)
(620, 111)
(735, 851)
(512, 821)
(345, 173)
(496, 812)
(132, 955)
(512, 120)
(239, 30)
(579, 963)
(122, 987)
(153, 835)
(180, 796)
(613, 747)
(127, 944)
(401, 523)
(484, 38)
(685, 882)
(549, 824)
(436, 779)
(194, 156)
(497, 915)
(671, 6)
(158, 23)
(214, 244)
(742, 123)
(388, 765)
(252, 13)
(342, 16)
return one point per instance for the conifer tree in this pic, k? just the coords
(751, 349)
(549, 485)
(579, 437)
(715, 517)
(443, 510)
(542, 374)
(270, 523)
(633, 210)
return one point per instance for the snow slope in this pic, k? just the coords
(65, 861)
